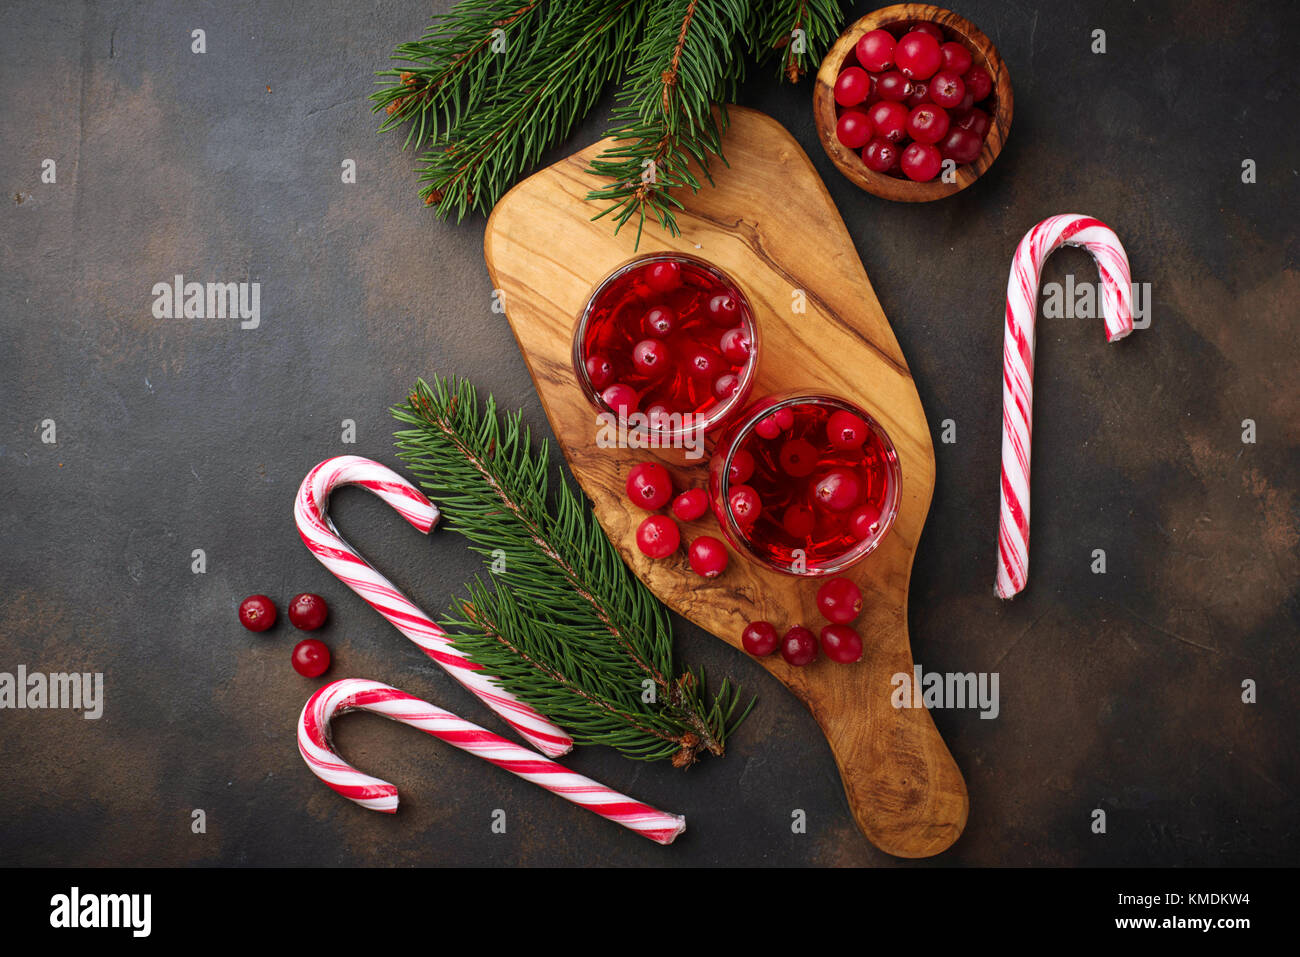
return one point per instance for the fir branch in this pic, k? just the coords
(796, 33)
(567, 627)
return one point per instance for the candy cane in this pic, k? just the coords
(323, 540)
(355, 694)
(1018, 367)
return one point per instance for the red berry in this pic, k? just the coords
(726, 386)
(845, 430)
(979, 82)
(853, 129)
(691, 504)
(838, 490)
(704, 364)
(799, 646)
(920, 94)
(839, 601)
(621, 398)
(759, 638)
(927, 123)
(660, 321)
(657, 415)
(724, 309)
(311, 658)
(841, 644)
(961, 146)
(708, 556)
(736, 345)
(921, 162)
(600, 371)
(931, 29)
(798, 521)
(917, 55)
(798, 458)
(658, 536)
(955, 57)
(893, 86)
(770, 426)
(742, 467)
(864, 522)
(852, 87)
(889, 119)
(649, 486)
(745, 505)
(664, 276)
(880, 155)
(651, 357)
(947, 90)
(875, 50)
(307, 611)
(257, 613)
(975, 120)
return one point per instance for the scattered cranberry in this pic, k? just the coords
(724, 310)
(798, 520)
(651, 357)
(979, 83)
(917, 54)
(799, 646)
(839, 601)
(889, 119)
(708, 556)
(311, 658)
(659, 322)
(742, 467)
(845, 430)
(961, 146)
(691, 504)
(798, 458)
(921, 162)
(736, 345)
(257, 613)
(744, 505)
(621, 398)
(838, 490)
(852, 87)
(927, 124)
(307, 611)
(893, 86)
(956, 58)
(759, 638)
(880, 155)
(853, 129)
(658, 536)
(600, 371)
(947, 90)
(841, 643)
(649, 486)
(875, 50)
(864, 522)
(664, 276)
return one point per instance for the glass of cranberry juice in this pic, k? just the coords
(805, 484)
(667, 343)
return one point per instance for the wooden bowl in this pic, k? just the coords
(998, 105)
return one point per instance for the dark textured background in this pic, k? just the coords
(1119, 691)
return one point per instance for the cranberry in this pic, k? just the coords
(921, 162)
(979, 82)
(947, 90)
(691, 504)
(799, 646)
(842, 644)
(845, 430)
(956, 57)
(875, 50)
(736, 345)
(708, 556)
(839, 601)
(865, 521)
(257, 613)
(658, 414)
(311, 658)
(660, 321)
(838, 490)
(742, 467)
(658, 536)
(930, 29)
(961, 146)
(889, 119)
(975, 120)
(649, 486)
(769, 427)
(759, 638)
(927, 123)
(703, 364)
(664, 276)
(917, 93)
(651, 357)
(798, 521)
(853, 129)
(308, 611)
(621, 398)
(600, 371)
(726, 386)
(880, 155)
(724, 309)
(893, 86)
(852, 86)
(745, 505)
(798, 458)
(917, 55)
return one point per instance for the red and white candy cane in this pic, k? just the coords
(323, 540)
(1018, 366)
(356, 694)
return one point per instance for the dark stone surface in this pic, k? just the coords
(1120, 692)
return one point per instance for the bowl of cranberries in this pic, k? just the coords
(913, 103)
(805, 484)
(667, 344)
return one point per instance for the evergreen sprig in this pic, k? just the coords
(494, 83)
(566, 626)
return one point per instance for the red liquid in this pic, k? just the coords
(616, 322)
(831, 536)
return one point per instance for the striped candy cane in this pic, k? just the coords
(323, 540)
(356, 694)
(1018, 367)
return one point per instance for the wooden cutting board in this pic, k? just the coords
(771, 225)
